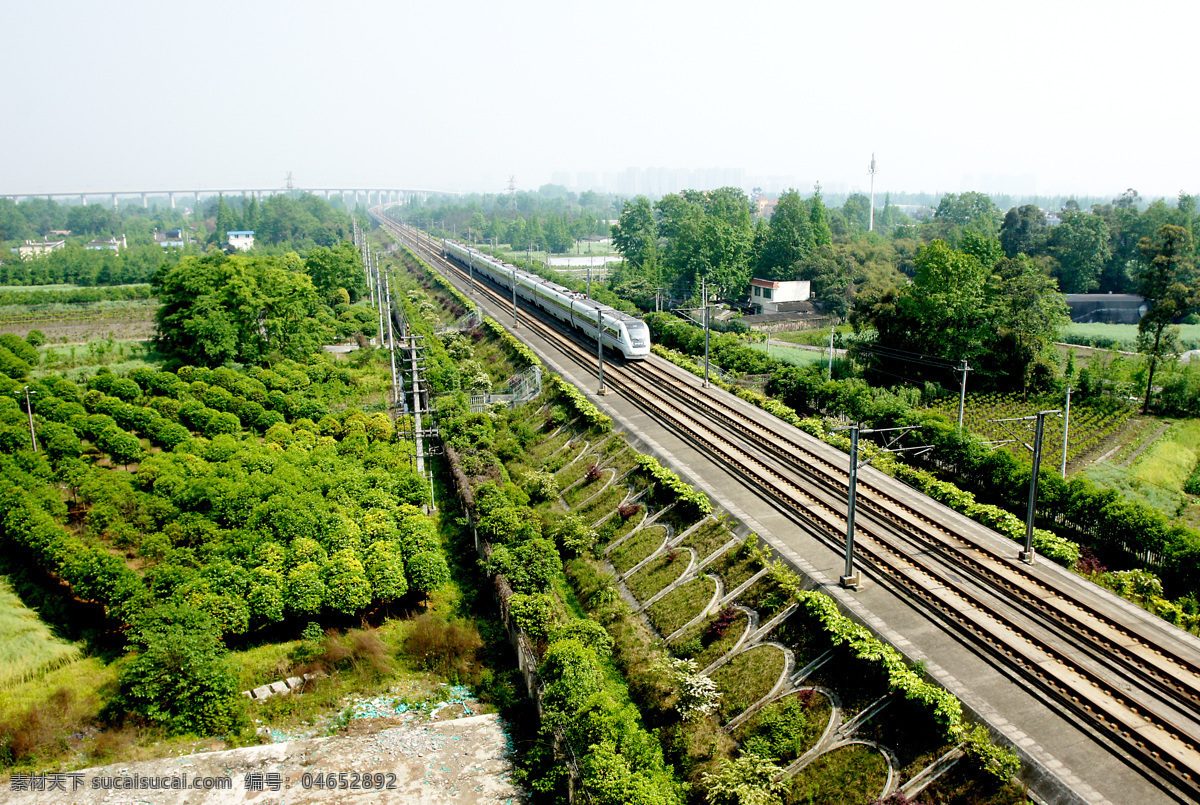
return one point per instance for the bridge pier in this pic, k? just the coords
(145, 204)
(83, 199)
(114, 199)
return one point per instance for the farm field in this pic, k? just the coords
(28, 647)
(73, 324)
(1121, 336)
(1153, 466)
(793, 356)
(1091, 427)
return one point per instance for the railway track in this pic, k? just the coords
(1108, 673)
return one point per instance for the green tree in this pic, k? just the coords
(385, 570)
(1024, 231)
(242, 308)
(339, 267)
(1167, 279)
(427, 572)
(747, 780)
(306, 589)
(180, 677)
(975, 211)
(534, 614)
(349, 591)
(1081, 245)
(635, 235)
(226, 221)
(789, 238)
(818, 219)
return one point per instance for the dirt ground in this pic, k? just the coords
(407, 759)
(69, 331)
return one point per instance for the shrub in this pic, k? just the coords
(447, 647)
(541, 485)
(720, 625)
(180, 678)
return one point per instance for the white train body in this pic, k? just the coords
(623, 333)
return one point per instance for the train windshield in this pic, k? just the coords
(639, 334)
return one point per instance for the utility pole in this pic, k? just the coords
(29, 408)
(600, 349)
(471, 268)
(851, 580)
(392, 350)
(1066, 431)
(516, 323)
(831, 348)
(1027, 555)
(962, 396)
(589, 277)
(704, 301)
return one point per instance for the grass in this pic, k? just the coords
(1136, 431)
(859, 683)
(1120, 336)
(793, 356)
(637, 548)
(541, 452)
(812, 336)
(735, 566)
(616, 527)
(708, 537)
(787, 728)
(675, 518)
(704, 647)
(805, 638)
(571, 473)
(747, 678)
(603, 504)
(1168, 462)
(621, 461)
(963, 783)
(906, 728)
(495, 361)
(680, 605)
(62, 286)
(580, 492)
(1158, 475)
(28, 647)
(766, 597)
(654, 577)
(854, 773)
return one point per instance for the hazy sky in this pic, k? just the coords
(1049, 97)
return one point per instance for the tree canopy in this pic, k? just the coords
(243, 308)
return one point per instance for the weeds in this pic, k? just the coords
(446, 647)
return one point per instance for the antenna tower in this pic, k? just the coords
(291, 184)
(871, 170)
(512, 192)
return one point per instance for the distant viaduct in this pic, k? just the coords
(350, 196)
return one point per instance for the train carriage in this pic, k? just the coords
(623, 333)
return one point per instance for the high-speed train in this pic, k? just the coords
(622, 333)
